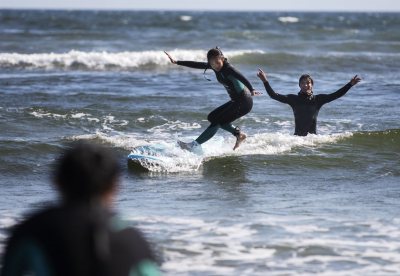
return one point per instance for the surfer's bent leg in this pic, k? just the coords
(241, 108)
(214, 117)
(230, 128)
(231, 111)
(208, 133)
(223, 114)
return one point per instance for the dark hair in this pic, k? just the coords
(304, 77)
(86, 171)
(213, 53)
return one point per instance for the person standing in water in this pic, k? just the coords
(305, 104)
(81, 235)
(239, 89)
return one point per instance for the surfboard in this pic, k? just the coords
(144, 157)
(159, 157)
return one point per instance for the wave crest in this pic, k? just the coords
(103, 60)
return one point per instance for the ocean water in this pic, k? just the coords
(326, 204)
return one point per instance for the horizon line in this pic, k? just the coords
(192, 10)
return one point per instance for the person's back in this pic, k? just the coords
(80, 236)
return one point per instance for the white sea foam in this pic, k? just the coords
(268, 143)
(297, 229)
(173, 126)
(288, 19)
(104, 60)
(203, 246)
(107, 122)
(79, 115)
(40, 113)
(110, 120)
(178, 160)
(185, 18)
(125, 141)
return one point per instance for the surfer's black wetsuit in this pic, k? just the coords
(77, 239)
(306, 108)
(241, 103)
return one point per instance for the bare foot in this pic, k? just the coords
(239, 139)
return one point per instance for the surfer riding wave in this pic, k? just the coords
(239, 89)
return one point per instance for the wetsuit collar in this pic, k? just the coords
(305, 95)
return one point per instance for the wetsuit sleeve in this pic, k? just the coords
(326, 98)
(147, 261)
(278, 97)
(145, 268)
(193, 64)
(237, 75)
(24, 257)
(136, 251)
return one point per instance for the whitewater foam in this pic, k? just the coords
(124, 141)
(173, 126)
(288, 19)
(136, 60)
(104, 60)
(185, 18)
(178, 160)
(275, 143)
(41, 114)
(213, 244)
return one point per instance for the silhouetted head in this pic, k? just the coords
(86, 172)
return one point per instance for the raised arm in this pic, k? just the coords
(191, 64)
(326, 98)
(278, 97)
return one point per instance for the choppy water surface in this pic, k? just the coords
(282, 205)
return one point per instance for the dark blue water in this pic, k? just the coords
(281, 205)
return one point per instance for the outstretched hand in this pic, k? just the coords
(262, 76)
(356, 79)
(170, 58)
